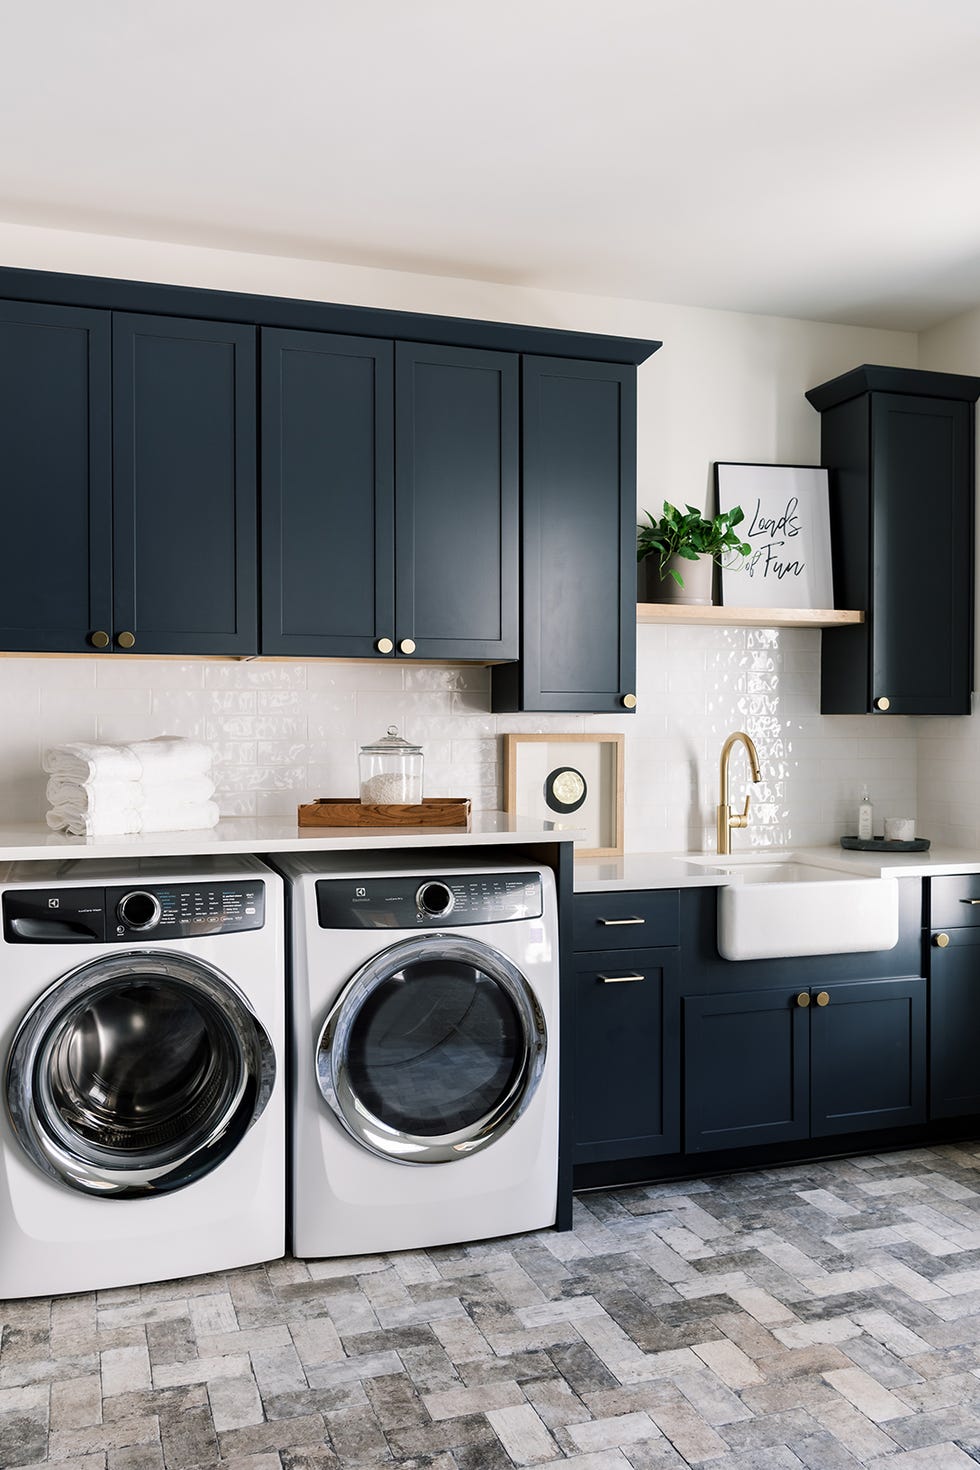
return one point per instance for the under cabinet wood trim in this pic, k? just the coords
(747, 617)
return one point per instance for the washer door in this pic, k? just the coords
(137, 1074)
(433, 1050)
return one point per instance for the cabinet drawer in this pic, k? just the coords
(955, 902)
(634, 920)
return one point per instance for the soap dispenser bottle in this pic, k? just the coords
(865, 819)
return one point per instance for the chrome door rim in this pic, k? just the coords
(331, 1055)
(48, 1141)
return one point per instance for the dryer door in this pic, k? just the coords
(137, 1074)
(433, 1050)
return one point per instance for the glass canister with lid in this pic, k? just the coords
(391, 771)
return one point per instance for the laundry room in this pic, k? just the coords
(489, 824)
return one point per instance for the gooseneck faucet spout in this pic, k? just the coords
(727, 819)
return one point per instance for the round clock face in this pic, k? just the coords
(565, 789)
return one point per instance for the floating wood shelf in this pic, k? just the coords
(746, 617)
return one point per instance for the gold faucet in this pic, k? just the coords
(727, 819)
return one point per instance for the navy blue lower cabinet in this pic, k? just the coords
(746, 1069)
(185, 574)
(56, 453)
(954, 1021)
(867, 1056)
(626, 1060)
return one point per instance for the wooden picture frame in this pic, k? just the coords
(572, 781)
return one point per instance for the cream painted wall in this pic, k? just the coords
(724, 386)
(948, 750)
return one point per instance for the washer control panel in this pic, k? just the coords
(441, 901)
(129, 914)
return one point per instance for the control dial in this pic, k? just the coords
(434, 900)
(138, 910)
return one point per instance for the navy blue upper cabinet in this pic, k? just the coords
(55, 589)
(456, 502)
(578, 636)
(328, 556)
(127, 446)
(390, 498)
(184, 493)
(894, 440)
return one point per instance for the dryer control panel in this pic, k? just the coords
(436, 902)
(125, 915)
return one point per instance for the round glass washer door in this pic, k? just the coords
(137, 1074)
(433, 1050)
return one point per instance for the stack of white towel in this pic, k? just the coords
(161, 785)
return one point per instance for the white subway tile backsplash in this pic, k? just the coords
(288, 732)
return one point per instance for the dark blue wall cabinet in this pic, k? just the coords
(184, 491)
(899, 442)
(328, 551)
(578, 637)
(390, 498)
(129, 483)
(55, 483)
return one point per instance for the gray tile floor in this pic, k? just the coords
(822, 1315)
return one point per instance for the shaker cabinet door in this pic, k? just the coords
(868, 1056)
(55, 471)
(327, 495)
(184, 504)
(456, 502)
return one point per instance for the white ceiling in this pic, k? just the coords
(815, 158)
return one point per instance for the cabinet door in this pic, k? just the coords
(868, 1056)
(921, 620)
(456, 502)
(746, 1072)
(184, 511)
(626, 1061)
(578, 640)
(55, 551)
(327, 494)
(954, 1025)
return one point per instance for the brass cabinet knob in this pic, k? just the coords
(126, 640)
(803, 999)
(940, 940)
(384, 645)
(629, 701)
(823, 999)
(407, 645)
(883, 702)
(99, 639)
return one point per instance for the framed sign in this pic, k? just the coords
(571, 781)
(787, 525)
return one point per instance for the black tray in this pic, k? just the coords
(878, 844)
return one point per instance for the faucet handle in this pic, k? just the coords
(741, 820)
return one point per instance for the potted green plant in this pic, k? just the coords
(689, 540)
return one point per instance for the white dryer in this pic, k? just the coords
(425, 1023)
(142, 1035)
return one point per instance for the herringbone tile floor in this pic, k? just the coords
(822, 1315)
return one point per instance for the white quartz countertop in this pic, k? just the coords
(35, 840)
(639, 870)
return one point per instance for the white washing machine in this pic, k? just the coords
(425, 1023)
(142, 1034)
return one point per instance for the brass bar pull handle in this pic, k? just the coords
(970, 900)
(614, 923)
(619, 979)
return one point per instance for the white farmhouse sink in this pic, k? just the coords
(773, 906)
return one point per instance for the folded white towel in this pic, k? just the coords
(118, 823)
(171, 758)
(93, 797)
(163, 816)
(125, 821)
(80, 762)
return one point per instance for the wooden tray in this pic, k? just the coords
(342, 811)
